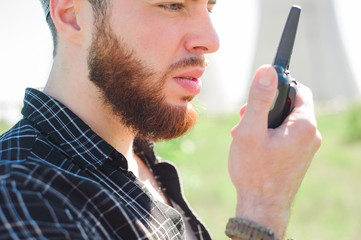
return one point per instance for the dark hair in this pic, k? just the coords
(100, 8)
(54, 33)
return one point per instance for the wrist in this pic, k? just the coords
(269, 212)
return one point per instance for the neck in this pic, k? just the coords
(69, 84)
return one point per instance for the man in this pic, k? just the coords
(80, 164)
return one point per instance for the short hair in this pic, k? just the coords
(54, 33)
(100, 8)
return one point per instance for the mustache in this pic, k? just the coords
(189, 62)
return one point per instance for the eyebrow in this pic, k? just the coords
(209, 2)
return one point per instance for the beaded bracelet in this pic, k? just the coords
(247, 230)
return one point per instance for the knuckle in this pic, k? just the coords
(318, 140)
(309, 130)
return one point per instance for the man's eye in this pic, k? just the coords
(172, 6)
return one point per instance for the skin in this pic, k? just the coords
(161, 35)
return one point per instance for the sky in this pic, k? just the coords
(26, 48)
(349, 21)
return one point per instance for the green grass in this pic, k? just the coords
(328, 205)
(4, 126)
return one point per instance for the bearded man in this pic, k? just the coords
(80, 164)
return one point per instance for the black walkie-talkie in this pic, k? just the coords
(287, 89)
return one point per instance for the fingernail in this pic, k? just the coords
(265, 81)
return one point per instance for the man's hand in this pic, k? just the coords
(267, 166)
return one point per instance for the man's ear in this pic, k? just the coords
(65, 17)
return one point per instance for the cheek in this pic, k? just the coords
(151, 35)
(160, 43)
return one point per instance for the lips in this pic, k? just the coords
(190, 81)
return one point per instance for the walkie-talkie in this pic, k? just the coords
(287, 89)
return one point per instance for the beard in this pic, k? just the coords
(133, 92)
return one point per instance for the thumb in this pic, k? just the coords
(261, 98)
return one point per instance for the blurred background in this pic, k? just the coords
(326, 58)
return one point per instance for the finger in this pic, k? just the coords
(304, 103)
(241, 112)
(302, 123)
(261, 97)
(304, 96)
(243, 109)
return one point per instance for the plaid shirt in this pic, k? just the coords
(59, 180)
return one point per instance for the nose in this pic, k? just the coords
(202, 37)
